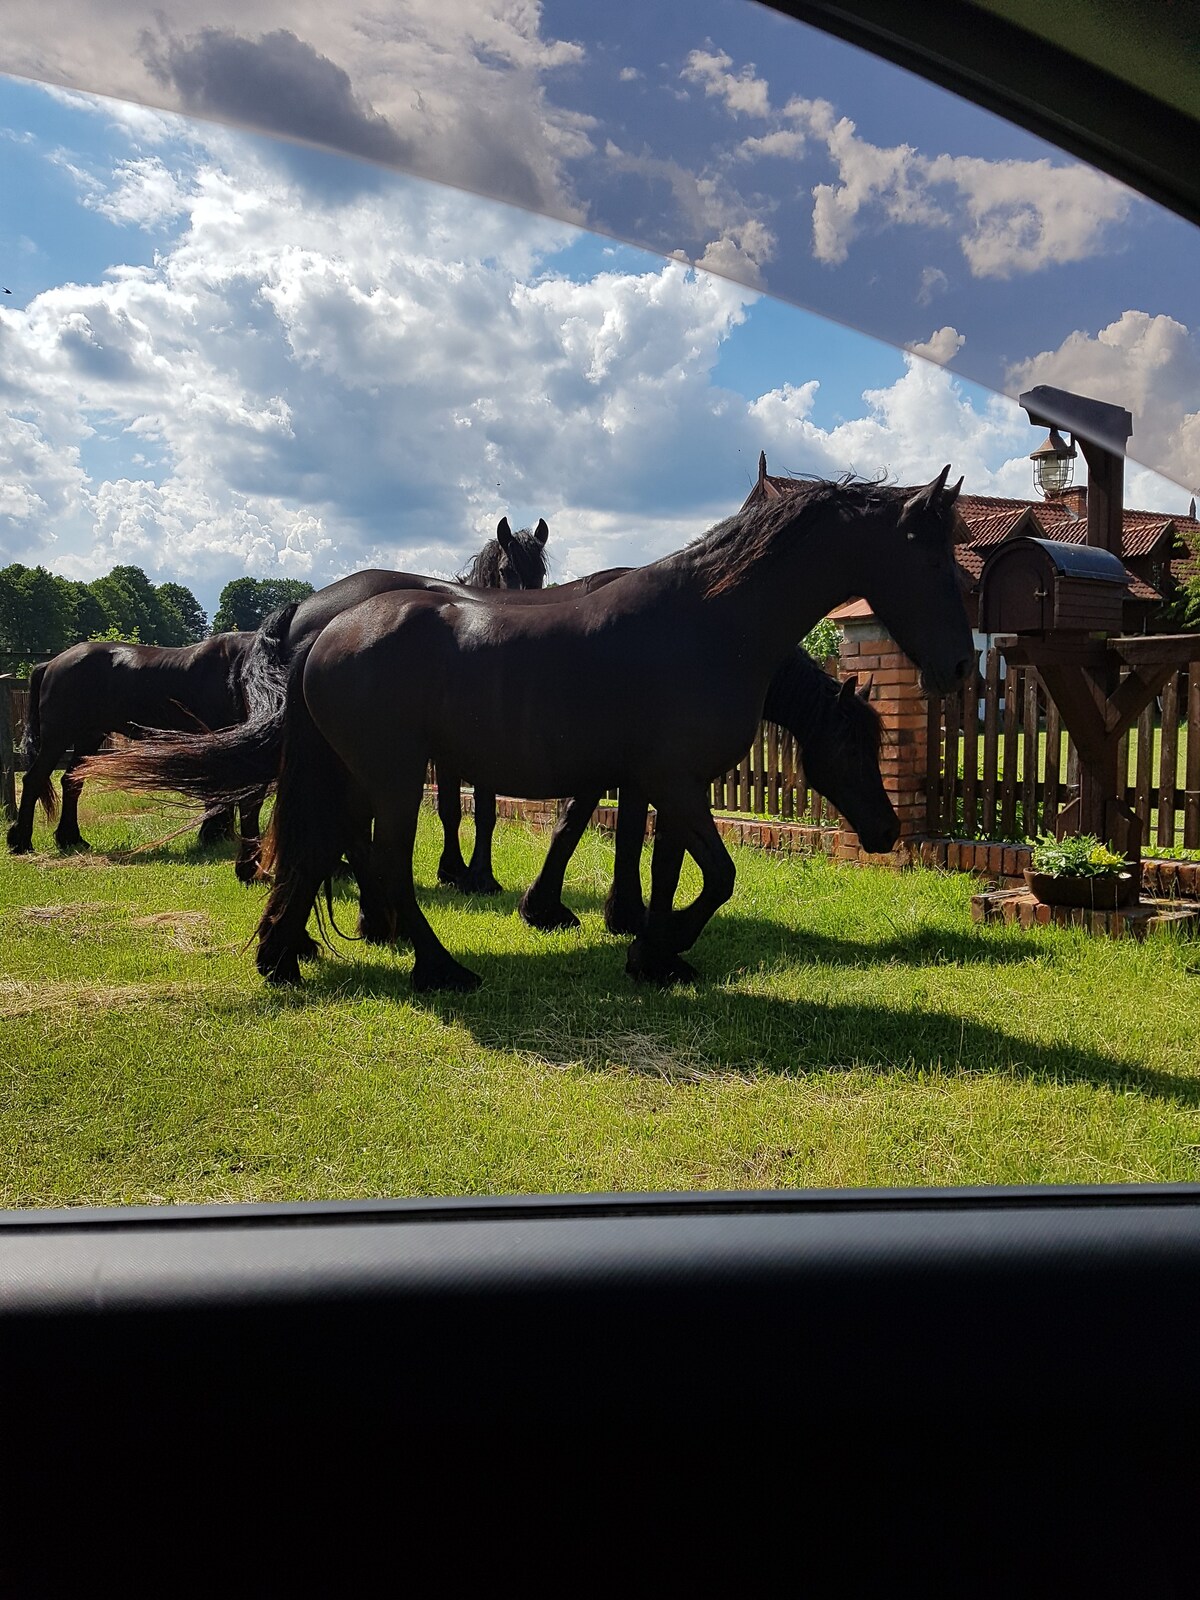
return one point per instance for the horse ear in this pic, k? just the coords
(504, 533)
(541, 533)
(952, 495)
(926, 499)
(849, 685)
(864, 694)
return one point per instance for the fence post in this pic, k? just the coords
(871, 652)
(8, 754)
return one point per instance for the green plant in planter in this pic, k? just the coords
(1079, 855)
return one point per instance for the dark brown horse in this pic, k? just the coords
(839, 732)
(655, 681)
(244, 760)
(93, 690)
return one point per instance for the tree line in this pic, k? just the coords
(42, 614)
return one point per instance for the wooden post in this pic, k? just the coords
(8, 753)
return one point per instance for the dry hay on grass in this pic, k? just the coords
(78, 915)
(637, 1054)
(21, 998)
(187, 930)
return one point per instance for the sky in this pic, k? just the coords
(228, 353)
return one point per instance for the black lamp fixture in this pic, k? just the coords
(1053, 465)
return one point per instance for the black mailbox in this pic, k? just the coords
(1033, 585)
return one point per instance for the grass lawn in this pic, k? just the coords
(854, 1028)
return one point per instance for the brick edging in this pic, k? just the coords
(1006, 863)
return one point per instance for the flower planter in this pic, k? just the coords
(1096, 894)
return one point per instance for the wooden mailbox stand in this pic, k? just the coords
(1053, 605)
(1098, 707)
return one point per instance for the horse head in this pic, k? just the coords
(841, 761)
(913, 584)
(522, 563)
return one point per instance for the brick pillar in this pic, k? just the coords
(871, 652)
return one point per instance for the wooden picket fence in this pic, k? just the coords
(1001, 766)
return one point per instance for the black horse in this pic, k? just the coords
(244, 760)
(655, 681)
(93, 690)
(837, 729)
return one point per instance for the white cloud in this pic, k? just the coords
(1148, 364)
(1026, 215)
(942, 345)
(455, 90)
(909, 430)
(146, 194)
(630, 75)
(744, 93)
(1010, 217)
(933, 282)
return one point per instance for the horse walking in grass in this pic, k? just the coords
(94, 690)
(655, 681)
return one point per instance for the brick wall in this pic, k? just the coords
(871, 652)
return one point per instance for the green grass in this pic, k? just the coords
(854, 1028)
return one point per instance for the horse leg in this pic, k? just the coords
(38, 781)
(377, 920)
(395, 834)
(624, 910)
(249, 819)
(67, 835)
(479, 878)
(451, 867)
(542, 903)
(217, 828)
(283, 937)
(656, 953)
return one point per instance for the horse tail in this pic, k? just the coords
(31, 740)
(227, 767)
(308, 831)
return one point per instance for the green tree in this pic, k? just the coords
(246, 601)
(88, 616)
(185, 611)
(36, 615)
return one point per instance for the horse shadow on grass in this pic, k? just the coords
(927, 944)
(577, 1007)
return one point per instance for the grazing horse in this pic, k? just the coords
(93, 690)
(655, 681)
(839, 732)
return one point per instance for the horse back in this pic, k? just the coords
(101, 687)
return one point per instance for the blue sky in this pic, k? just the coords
(225, 352)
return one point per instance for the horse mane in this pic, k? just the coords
(734, 547)
(483, 571)
(808, 701)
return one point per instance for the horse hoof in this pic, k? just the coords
(661, 967)
(371, 931)
(279, 966)
(549, 919)
(626, 922)
(307, 949)
(71, 846)
(18, 846)
(247, 872)
(451, 872)
(447, 974)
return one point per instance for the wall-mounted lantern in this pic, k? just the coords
(1053, 465)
